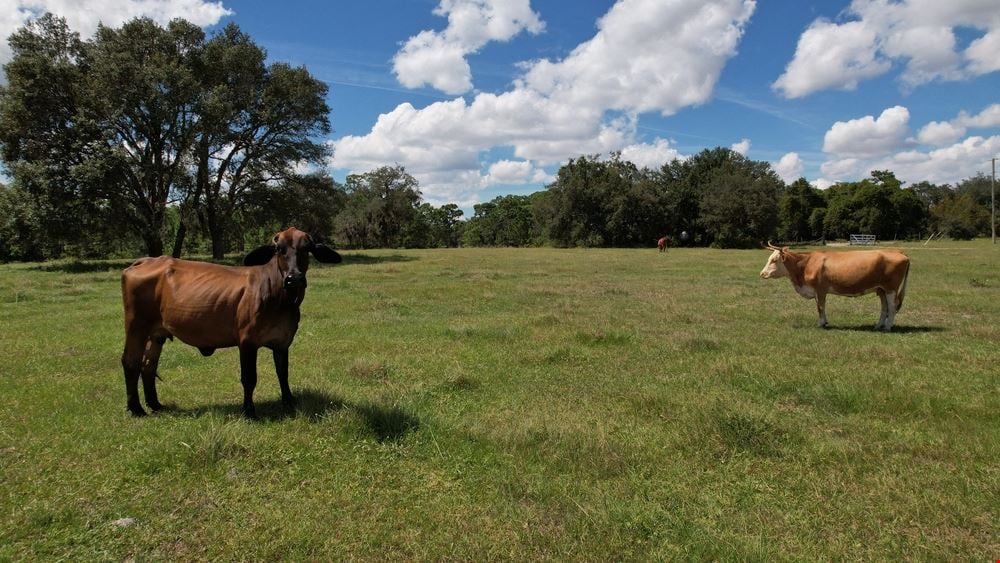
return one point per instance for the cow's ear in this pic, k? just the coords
(259, 256)
(324, 253)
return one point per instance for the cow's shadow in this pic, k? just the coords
(385, 423)
(350, 259)
(896, 329)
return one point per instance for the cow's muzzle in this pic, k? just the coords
(295, 281)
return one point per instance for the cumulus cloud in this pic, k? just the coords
(623, 66)
(946, 132)
(789, 167)
(830, 55)
(438, 58)
(742, 147)
(919, 35)
(940, 133)
(857, 147)
(516, 172)
(946, 165)
(586, 103)
(868, 136)
(651, 155)
(83, 16)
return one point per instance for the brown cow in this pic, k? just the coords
(849, 273)
(662, 244)
(210, 306)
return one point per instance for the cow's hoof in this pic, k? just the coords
(156, 407)
(290, 401)
(137, 411)
(250, 414)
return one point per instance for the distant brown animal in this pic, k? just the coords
(848, 273)
(210, 306)
(662, 244)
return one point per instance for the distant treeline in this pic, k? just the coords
(717, 197)
(149, 139)
(720, 198)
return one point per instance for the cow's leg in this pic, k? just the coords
(884, 316)
(135, 340)
(150, 360)
(821, 309)
(281, 368)
(248, 377)
(890, 300)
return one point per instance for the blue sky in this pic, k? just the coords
(479, 98)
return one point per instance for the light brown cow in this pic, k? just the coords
(848, 273)
(662, 244)
(210, 306)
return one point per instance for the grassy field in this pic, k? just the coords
(521, 404)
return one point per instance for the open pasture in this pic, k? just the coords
(523, 404)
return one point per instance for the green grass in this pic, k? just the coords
(518, 404)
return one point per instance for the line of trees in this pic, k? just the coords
(150, 136)
(720, 198)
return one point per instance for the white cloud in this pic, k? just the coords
(438, 58)
(586, 103)
(918, 34)
(982, 53)
(855, 148)
(428, 59)
(946, 132)
(516, 172)
(83, 16)
(651, 155)
(789, 167)
(844, 168)
(940, 133)
(623, 66)
(830, 55)
(989, 117)
(868, 136)
(742, 147)
(946, 165)
(822, 183)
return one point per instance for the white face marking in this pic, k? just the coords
(774, 268)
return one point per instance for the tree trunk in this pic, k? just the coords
(154, 243)
(215, 232)
(179, 239)
(218, 245)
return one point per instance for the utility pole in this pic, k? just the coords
(993, 199)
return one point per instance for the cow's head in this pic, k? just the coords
(291, 248)
(775, 266)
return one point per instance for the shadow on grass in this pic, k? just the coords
(91, 266)
(368, 259)
(84, 266)
(897, 329)
(385, 423)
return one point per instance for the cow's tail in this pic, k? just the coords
(902, 288)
